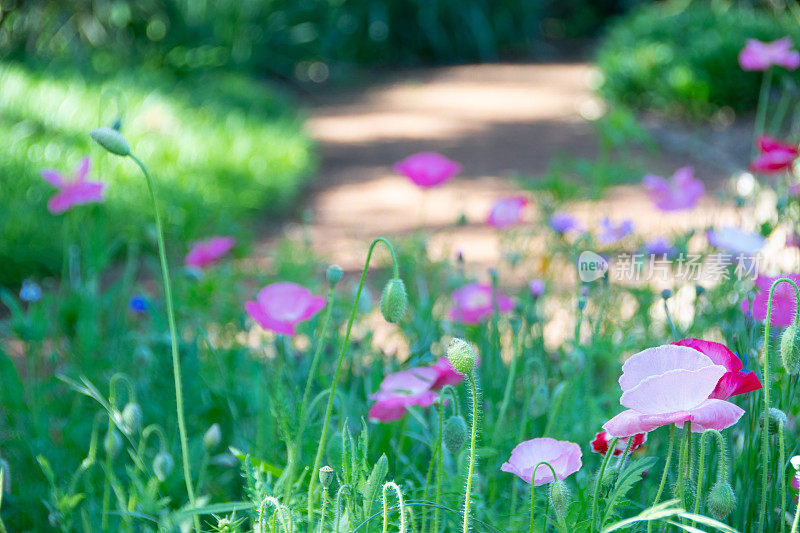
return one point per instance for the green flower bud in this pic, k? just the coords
(394, 300)
(790, 349)
(111, 140)
(163, 463)
(212, 438)
(582, 303)
(539, 401)
(777, 419)
(454, 433)
(132, 417)
(609, 477)
(461, 355)
(224, 525)
(666, 294)
(689, 491)
(326, 476)
(334, 274)
(559, 497)
(112, 442)
(721, 500)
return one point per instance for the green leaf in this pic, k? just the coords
(374, 482)
(625, 482)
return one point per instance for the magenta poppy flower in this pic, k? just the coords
(281, 306)
(507, 212)
(536, 287)
(208, 252)
(473, 303)
(783, 300)
(735, 241)
(735, 380)
(774, 155)
(75, 191)
(681, 192)
(563, 456)
(603, 440)
(427, 169)
(612, 232)
(758, 55)
(671, 385)
(401, 390)
(447, 374)
(562, 223)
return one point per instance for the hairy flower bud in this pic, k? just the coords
(461, 355)
(777, 419)
(559, 497)
(721, 500)
(212, 438)
(111, 140)
(326, 476)
(790, 349)
(334, 274)
(112, 442)
(454, 433)
(394, 300)
(163, 463)
(132, 417)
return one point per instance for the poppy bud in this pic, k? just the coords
(333, 274)
(112, 443)
(721, 500)
(224, 525)
(111, 140)
(163, 463)
(790, 349)
(326, 476)
(132, 417)
(454, 433)
(777, 419)
(394, 300)
(461, 355)
(559, 497)
(212, 438)
(582, 303)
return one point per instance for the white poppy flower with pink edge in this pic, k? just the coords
(563, 456)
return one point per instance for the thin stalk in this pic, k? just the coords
(782, 463)
(599, 480)
(665, 473)
(324, 505)
(672, 327)
(332, 393)
(763, 101)
(173, 333)
(533, 489)
(762, 514)
(682, 461)
(473, 438)
(517, 353)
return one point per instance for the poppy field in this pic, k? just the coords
(595, 379)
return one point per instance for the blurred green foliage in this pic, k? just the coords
(682, 57)
(219, 146)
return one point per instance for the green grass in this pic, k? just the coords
(224, 148)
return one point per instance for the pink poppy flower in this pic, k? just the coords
(507, 212)
(563, 456)
(281, 306)
(208, 252)
(671, 385)
(683, 191)
(774, 155)
(447, 375)
(603, 440)
(758, 55)
(473, 303)
(401, 390)
(612, 232)
(562, 223)
(795, 482)
(537, 288)
(736, 241)
(77, 191)
(783, 300)
(427, 169)
(735, 380)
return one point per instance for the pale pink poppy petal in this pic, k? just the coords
(714, 414)
(208, 252)
(718, 353)
(658, 360)
(427, 169)
(631, 422)
(53, 177)
(74, 194)
(563, 456)
(283, 305)
(675, 390)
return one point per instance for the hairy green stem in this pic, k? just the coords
(722, 469)
(683, 461)
(324, 505)
(473, 438)
(533, 489)
(782, 463)
(665, 473)
(332, 393)
(401, 505)
(173, 333)
(599, 480)
(516, 354)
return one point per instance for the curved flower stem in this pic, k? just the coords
(722, 470)
(332, 393)
(533, 488)
(473, 438)
(782, 463)
(173, 333)
(337, 513)
(598, 482)
(401, 505)
(439, 458)
(664, 475)
(762, 514)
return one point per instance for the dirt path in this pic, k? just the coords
(497, 120)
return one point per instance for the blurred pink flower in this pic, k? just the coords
(472, 303)
(735, 241)
(735, 380)
(603, 440)
(563, 456)
(783, 300)
(447, 374)
(683, 191)
(774, 155)
(77, 191)
(427, 169)
(208, 252)
(794, 189)
(279, 307)
(562, 222)
(403, 389)
(758, 55)
(612, 232)
(537, 287)
(671, 385)
(507, 212)
(792, 239)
